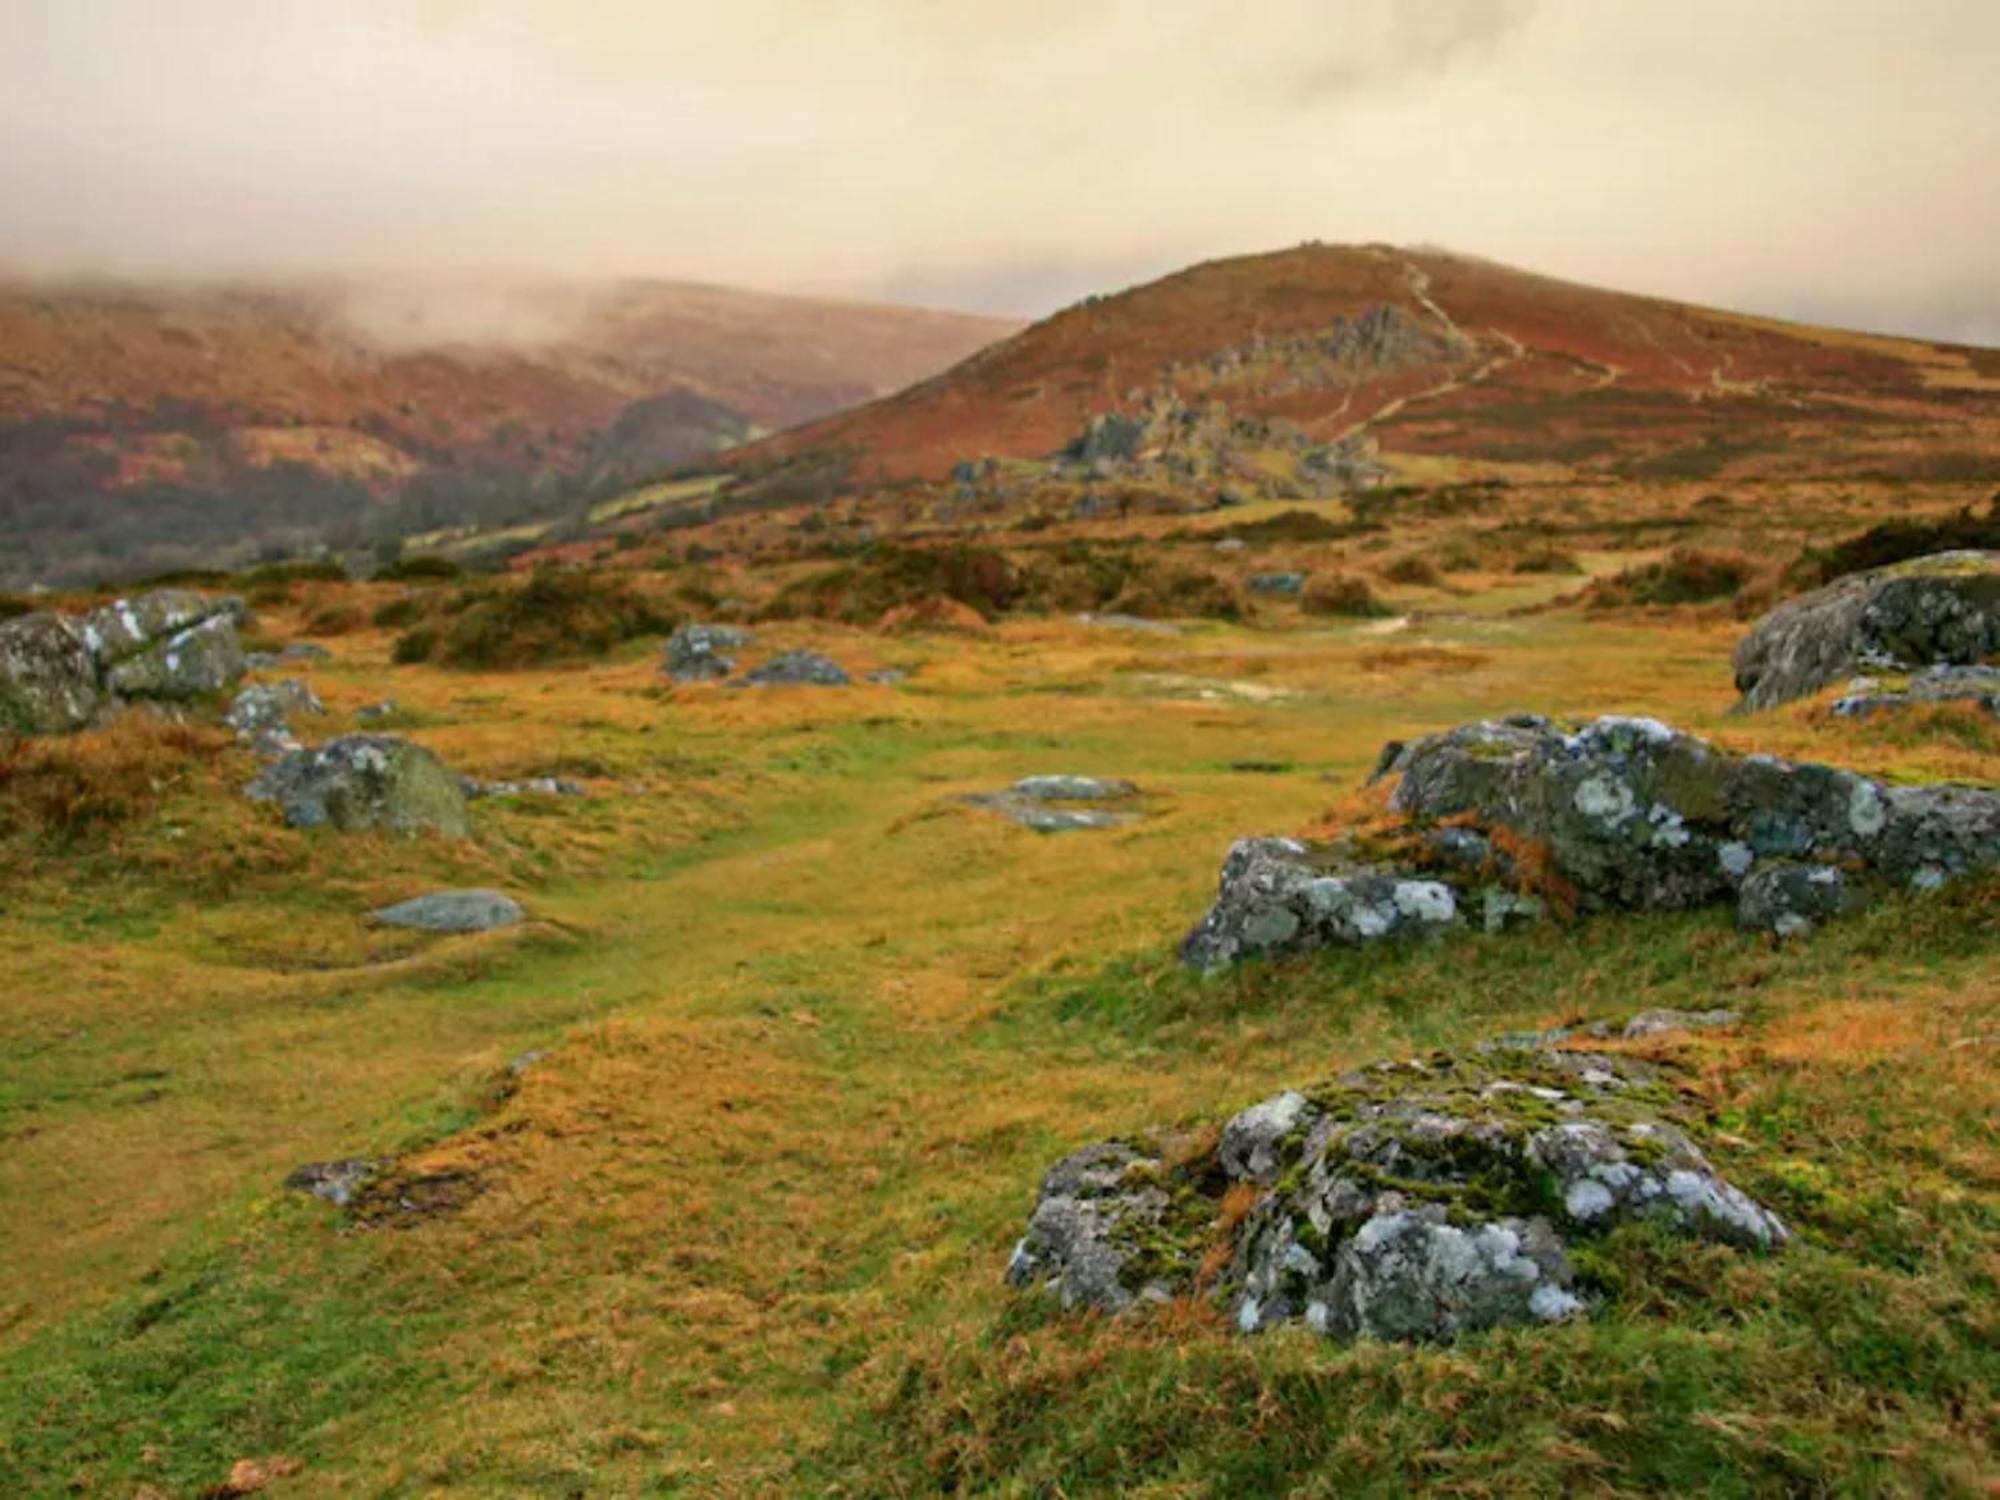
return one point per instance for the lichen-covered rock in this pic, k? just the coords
(1929, 610)
(261, 714)
(532, 786)
(453, 911)
(1622, 813)
(1419, 1199)
(797, 668)
(1286, 585)
(699, 653)
(1277, 896)
(365, 781)
(172, 644)
(1789, 899)
(1974, 686)
(48, 680)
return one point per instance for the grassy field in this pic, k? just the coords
(811, 1028)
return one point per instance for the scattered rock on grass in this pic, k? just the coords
(532, 786)
(796, 668)
(1413, 1200)
(335, 1181)
(1288, 585)
(1038, 802)
(365, 781)
(261, 714)
(453, 911)
(699, 653)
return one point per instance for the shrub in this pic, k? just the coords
(1342, 595)
(1898, 540)
(1416, 569)
(895, 577)
(424, 568)
(335, 619)
(557, 613)
(1687, 575)
(1547, 558)
(1123, 580)
(1299, 526)
(398, 613)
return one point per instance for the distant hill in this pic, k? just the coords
(1380, 362)
(151, 426)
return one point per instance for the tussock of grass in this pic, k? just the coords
(1687, 575)
(81, 788)
(1900, 539)
(1342, 595)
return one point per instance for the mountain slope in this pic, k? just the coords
(1421, 355)
(140, 423)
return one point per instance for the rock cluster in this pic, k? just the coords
(1501, 817)
(796, 669)
(1418, 1199)
(360, 782)
(59, 673)
(1941, 610)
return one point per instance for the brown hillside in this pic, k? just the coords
(1426, 355)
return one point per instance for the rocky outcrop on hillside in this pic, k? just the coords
(361, 782)
(1941, 610)
(701, 653)
(59, 673)
(1505, 817)
(1974, 687)
(1417, 1199)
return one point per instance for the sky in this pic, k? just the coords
(1835, 160)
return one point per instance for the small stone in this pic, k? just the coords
(335, 1181)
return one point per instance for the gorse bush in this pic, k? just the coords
(556, 614)
(1342, 595)
(1899, 540)
(1687, 575)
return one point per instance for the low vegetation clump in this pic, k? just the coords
(1548, 558)
(556, 614)
(895, 577)
(1300, 526)
(1899, 540)
(56, 793)
(423, 568)
(1415, 569)
(1686, 575)
(1342, 595)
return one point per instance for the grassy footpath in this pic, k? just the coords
(814, 1030)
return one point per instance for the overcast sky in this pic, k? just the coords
(1832, 159)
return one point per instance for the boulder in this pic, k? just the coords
(797, 668)
(1620, 814)
(1278, 896)
(172, 644)
(1289, 585)
(48, 680)
(533, 786)
(1975, 686)
(1789, 899)
(453, 911)
(365, 781)
(1412, 1200)
(699, 653)
(261, 714)
(1938, 610)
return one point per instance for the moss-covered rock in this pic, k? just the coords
(366, 781)
(1416, 1199)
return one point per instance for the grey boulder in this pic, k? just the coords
(699, 653)
(797, 669)
(1938, 610)
(365, 781)
(453, 911)
(48, 680)
(1046, 804)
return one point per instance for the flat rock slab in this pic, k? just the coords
(453, 911)
(796, 669)
(1046, 804)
